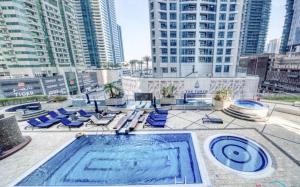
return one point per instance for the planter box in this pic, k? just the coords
(168, 101)
(220, 105)
(115, 101)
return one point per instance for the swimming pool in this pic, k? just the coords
(135, 159)
(249, 104)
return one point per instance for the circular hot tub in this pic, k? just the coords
(239, 154)
(248, 110)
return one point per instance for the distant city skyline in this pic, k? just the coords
(133, 16)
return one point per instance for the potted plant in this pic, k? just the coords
(168, 93)
(116, 95)
(222, 99)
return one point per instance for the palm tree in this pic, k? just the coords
(147, 59)
(140, 62)
(132, 63)
(113, 90)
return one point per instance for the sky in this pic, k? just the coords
(133, 16)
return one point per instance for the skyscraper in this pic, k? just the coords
(273, 46)
(287, 26)
(99, 32)
(291, 30)
(255, 26)
(195, 37)
(39, 37)
(122, 57)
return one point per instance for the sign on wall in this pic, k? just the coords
(20, 87)
(54, 85)
(72, 83)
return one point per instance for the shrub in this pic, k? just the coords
(21, 100)
(58, 98)
(168, 91)
(223, 94)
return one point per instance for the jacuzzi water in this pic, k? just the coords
(238, 153)
(106, 160)
(249, 104)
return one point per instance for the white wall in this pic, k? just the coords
(245, 87)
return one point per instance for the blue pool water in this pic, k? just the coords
(239, 154)
(249, 104)
(120, 160)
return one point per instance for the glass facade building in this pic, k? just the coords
(99, 32)
(255, 26)
(287, 26)
(195, 37)
(39, 37)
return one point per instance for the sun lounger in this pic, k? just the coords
(64, 112)
(35, 123)
(97, 121)
(84, 113)
(156, 117)
(70, 124)
(48, 120)
(55, 115)
(161, 111)
(208, 119)
(153, 123)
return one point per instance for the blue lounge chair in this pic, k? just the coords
(35, 123)
(55, 115)
(209, 119)
(64, 112)
(47, 120)
(157, 117)
(84, 113)
(155, 123)
(161, 111)
(70, 124)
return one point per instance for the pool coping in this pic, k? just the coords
(201, 164)
(266, 172)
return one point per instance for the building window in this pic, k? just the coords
(222, 17)
(173, 34)
(173, 51)
(221, 34)
(164, 42)
(228, 51)
(173, 25)
(151, 6)
(230, 25)
(173, 43)
(231, 17)
(173, 59)
(164, 70)
(221, 26)
(173, 6)
(163, 6)
(232, 7)
(154, 69)
(164, 59)
(163, 34)
(164, 51)
(163, 15)
(230, 35)
(226, 68)
(227, 59)
(220, 43)
(223, 7)
(219, 59)
(219, 51)
(229, 43)
(173, 16)
(163, 25)
(218, 69)
(173, 69)
(187, 59)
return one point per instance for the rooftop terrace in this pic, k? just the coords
(280, 136)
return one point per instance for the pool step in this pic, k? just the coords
(243, 116)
